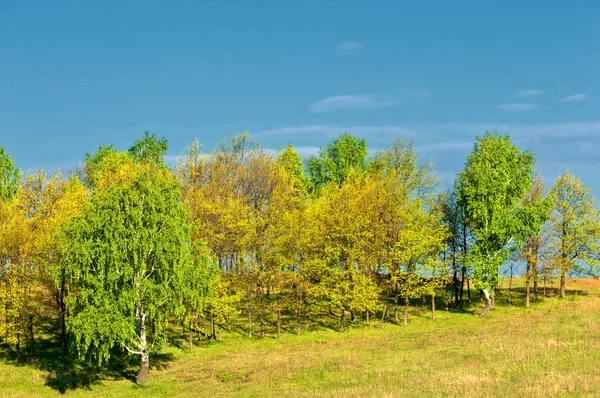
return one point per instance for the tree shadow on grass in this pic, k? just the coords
(72, 374)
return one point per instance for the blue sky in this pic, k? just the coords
(75, 74)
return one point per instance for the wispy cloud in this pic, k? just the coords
(575, 98)
(531, 93)
(351, 102)
(348, 48)
(517, 107)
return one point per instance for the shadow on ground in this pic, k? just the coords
(71, 374)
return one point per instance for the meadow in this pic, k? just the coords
(550, 349)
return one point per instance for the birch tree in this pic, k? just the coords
(129, 260)
(496, 177)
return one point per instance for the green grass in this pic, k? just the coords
(551, 349)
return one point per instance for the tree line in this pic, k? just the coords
(125, 247)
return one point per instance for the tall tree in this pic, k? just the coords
(47, 202)
(575, 225)
(538, 206)
(18, 276)
(128, 261)
(496, 177)
(458, 243)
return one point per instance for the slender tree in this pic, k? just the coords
(496, 177)
(575, 225)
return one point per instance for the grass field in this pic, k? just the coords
(551, 349)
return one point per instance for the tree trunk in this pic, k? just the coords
(544, 283)
(262, 310)
(204, 329)
(433, 306)
(563, 282)
(142, 376)
(18, 347)
(468, 290)
(199, 327)
(353, 316)
(396, 309)
(31, 344)
(278, 323)
(298, 316)
(228, 323)
(62, 308)
(406, 311)
(191, 337)
(183, 334)
(367, 318)
(446, 303)
(462, 284)
(342, 318)
(249, 313)
(213, 335)
(383, 316)
(488, 303)
(455, 268)
(535, 281)
(527, 283)
(510, 286)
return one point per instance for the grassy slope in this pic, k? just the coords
(550, 349)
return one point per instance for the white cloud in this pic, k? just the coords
(517, 107)
(575, 98)
(531, 93)
(351, 102)
(348, 48)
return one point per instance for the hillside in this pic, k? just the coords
(550, 349)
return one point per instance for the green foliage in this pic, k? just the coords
(575, 226)
(10, 177)
(149, 149)
(400, 161)
(291, 162)
(92, 162)
(197, 281)
(335, 161)
(129, 252)
(496, 177)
